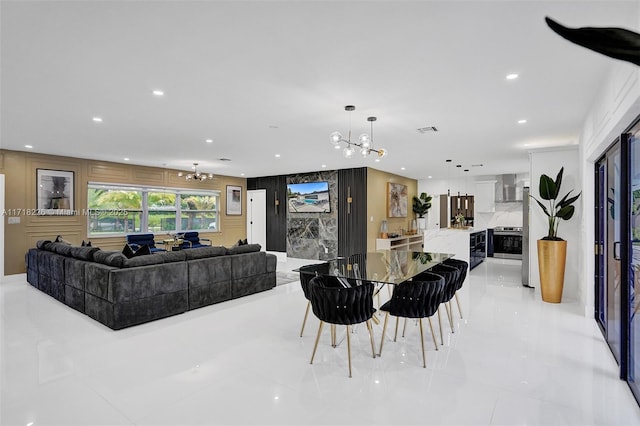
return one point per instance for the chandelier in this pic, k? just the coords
(364, 143)
(196, 175)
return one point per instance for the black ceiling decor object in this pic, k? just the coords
(616, 43)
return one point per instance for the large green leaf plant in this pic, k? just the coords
(556, 210)
(422, 204)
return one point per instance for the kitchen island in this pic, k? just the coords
(469, 244)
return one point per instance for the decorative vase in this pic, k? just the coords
(422, 223)
(552, 257)
(384, 230)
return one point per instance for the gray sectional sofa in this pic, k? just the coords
(121, 292)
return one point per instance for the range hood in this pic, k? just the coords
(507, 190)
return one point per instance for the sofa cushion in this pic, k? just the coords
(247, 248)
(172, 256)
(83, 253)
(151, 259)
(202, 252)
(43, 244)
(115, 259)
(60, 248)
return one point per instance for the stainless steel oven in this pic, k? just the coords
(507, 242)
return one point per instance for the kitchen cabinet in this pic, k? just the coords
(477, 248)
(485, 200)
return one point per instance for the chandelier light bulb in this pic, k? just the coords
(348, 152)
(336, 138)
(382, 152)
(365, 140)
(364, 152)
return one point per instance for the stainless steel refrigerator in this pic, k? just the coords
(525, 237)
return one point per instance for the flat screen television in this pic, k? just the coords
(308, 197)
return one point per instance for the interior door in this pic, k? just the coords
(257, 217)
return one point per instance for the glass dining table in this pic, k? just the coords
(385, 266)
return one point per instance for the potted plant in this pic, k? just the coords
(421, 206)
(552, 250)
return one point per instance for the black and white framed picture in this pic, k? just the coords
(234, 200)
(55, 192)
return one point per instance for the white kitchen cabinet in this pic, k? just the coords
(485, 196)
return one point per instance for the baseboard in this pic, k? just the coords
(13, 278)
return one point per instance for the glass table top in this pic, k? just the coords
(385, 266)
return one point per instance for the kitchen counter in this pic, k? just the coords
(453, 240)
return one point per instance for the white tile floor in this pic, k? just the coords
(513, 360)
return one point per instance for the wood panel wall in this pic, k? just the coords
(20, 167)
(276, 189)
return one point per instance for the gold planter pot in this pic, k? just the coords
(552, 257)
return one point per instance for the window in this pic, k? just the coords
(118, 210)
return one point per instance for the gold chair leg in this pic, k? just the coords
(447, 307)
(384, 330)
(424, 359)
(333, 336)
(440, 325)
(306, 314)
(375, 319)
(313, 354)
(349, 349)
(370, 327)
(458, 303)
(395, 336)
(404, 327)
(433, 334)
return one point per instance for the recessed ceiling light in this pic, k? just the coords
(158, 92)
(512, 76)
(429, 177)
(126, 158)
(522, 121)
(403, 168)
(97, 119)
(241, 174)
(527, 144)
(377, 160)
(209, 141)
(324, 166)
(277, 155)
(29, 146)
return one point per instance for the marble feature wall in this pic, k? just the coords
(314, 235)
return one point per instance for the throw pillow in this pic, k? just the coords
(145, 249)
(128, 251)
(86, 244)
(244, 242)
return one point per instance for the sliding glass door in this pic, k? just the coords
(634, 259)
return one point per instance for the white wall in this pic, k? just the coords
(2, 227)
(549, 162)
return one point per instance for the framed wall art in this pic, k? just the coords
(55, 192)
(234, 200)
(397, 200)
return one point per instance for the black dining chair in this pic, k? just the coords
(417, 300)
(462, 267)
(307, 272)
(450, 275)
(335, 304)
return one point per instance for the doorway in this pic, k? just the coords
(257, 217)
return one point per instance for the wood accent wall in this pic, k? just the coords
(20, 167)
(352, 219)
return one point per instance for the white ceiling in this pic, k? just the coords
(265, 77)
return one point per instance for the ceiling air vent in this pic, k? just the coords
(427, 129)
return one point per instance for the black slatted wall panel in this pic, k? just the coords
(276, 188)
(352, 220)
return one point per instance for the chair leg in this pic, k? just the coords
(424, 359)
(404, 327)
(447, 307)
(384, 330)
(395, 336)
(313, 354)
(433, 334)
(333, 336)
(370, 327)
(306, 314)
(349, 349)
(440, 325)
(458, 303)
